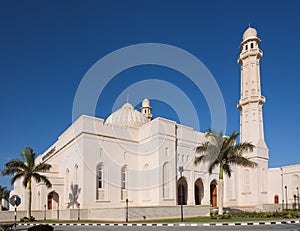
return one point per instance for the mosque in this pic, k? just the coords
(134, 158)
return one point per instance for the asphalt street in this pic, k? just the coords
(290, 227)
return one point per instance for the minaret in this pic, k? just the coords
(252, 101)
(146, 109)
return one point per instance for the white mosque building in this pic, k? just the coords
(100, 164)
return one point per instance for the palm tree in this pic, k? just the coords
(4, 194)
(27, 170)
(222, 151)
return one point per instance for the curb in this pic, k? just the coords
(168, 224)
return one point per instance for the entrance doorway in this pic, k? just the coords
(276, 199)
(213, 193)
(53, 200)
(182, 181)
(199, 191)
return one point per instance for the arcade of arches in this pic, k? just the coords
(182, 193)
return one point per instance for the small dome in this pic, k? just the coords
(146, 103)
(127, 116)
(249, 33)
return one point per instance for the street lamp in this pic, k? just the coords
(297, 198)
(45, 212)
(126, 210)
(181, 193)
(57, 211)
(286, 198)
(78, 211)
(282, 193)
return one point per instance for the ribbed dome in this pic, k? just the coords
(250, 33)
(127, 116)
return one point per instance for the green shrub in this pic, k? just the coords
(213, 214)
(41, 228)
(226, 216)
(26, 219)
(6, 227)
(275, 214)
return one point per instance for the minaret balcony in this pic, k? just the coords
(251, 99)
(251, 52)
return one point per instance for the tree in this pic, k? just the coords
(4, 194)
(26, 169)
(223, 152)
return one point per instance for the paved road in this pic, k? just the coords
(290, 227)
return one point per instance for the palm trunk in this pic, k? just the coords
(221, 191)
(28, 191)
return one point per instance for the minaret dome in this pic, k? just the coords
(146, 109)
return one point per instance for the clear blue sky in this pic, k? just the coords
(46, 47)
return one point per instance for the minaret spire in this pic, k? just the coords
(251, 101)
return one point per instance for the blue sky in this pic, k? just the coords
(46, 48)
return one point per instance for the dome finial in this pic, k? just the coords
(249, 24)
(127, 100)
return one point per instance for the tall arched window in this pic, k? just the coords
(124, 194)
(124, 177)
(100, 182)
(166, 182)
(246, 177)
(264, 181)
(67, 185)
(146, 180)
(100, 176)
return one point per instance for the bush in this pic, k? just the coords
(6, 227)
(213, 214)
(26, 219)
(275, 214)
(41, 228)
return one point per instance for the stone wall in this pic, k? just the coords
(114, 214)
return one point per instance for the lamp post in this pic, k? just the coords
(126, 210)
(282, 193)
(78, 211)
(181, 193)
(45, 212)
(297, 198)
(286, 198)
(57, 211)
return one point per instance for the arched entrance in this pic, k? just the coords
(213, 193)
(276, 199)
(199, 191)
(53, 200)
(182, 181)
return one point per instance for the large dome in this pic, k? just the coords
(127, 116)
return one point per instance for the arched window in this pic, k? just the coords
(146, 179)
(100, 176)
(124, 193)
(166, 182)
(246, 177)
(124, 177)
(67, 185)
(100, 182)
(264, 181)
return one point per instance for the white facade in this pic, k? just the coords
(99, 163)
